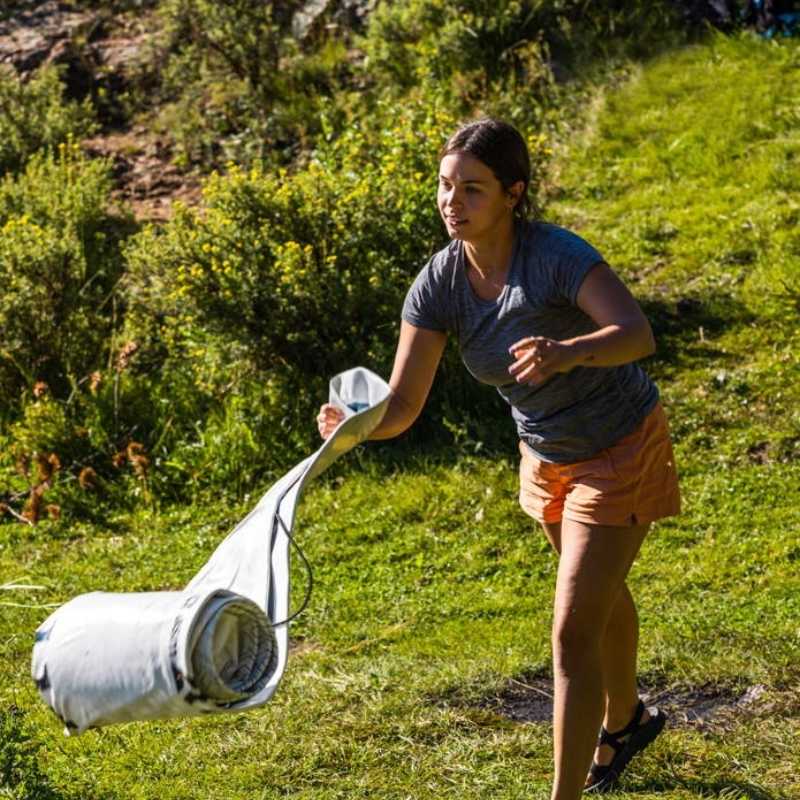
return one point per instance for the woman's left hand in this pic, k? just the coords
(538, 358)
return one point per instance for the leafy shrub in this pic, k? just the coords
(29, 461)
(473, 44)
(59, 264)
(432, 40)
(300, 269)
(279, 281)
(296, 270)
(35, 115)
(241, 86)
(109, 445)
(287, 279)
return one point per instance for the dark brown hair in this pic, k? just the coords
(501, 147)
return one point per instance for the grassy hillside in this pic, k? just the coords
(428, 634)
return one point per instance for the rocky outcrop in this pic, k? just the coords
(40, 33)
(316, 15)
(92, 55)
(99, 56)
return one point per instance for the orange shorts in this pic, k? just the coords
(633, 482)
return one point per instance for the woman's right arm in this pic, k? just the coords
(419, 351)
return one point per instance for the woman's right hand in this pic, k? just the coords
(328, 418)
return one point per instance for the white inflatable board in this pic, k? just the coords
(221, 643)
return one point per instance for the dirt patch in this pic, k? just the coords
(101, 56)
(707, 707)
(299, 647)
(785, 450)
(528, 700)
(759, 453)
(145, 177)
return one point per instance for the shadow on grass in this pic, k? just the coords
(711, 708)
(733, 789)
(685, 329)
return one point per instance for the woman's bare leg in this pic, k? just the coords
(619, 650)
(620, 645)
(592, 568)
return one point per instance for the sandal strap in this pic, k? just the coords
(613, 739)
(599, 771)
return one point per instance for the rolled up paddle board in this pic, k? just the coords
(220, 644)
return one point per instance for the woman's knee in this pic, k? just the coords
(575, 640)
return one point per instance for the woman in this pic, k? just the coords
(539, 314)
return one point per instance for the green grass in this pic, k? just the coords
(433, 588)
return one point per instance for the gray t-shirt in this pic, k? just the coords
(572, 415)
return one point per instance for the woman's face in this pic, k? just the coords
(471, 200)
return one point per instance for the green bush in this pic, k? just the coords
(241, 86)
(235, 82)
(112, 442)
(279, 281)
(473, 45)
(303, 269)
(59, 266)
(64, 389)
(35, 115)
(286, 280)
(433, 40)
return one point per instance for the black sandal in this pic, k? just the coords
(604, 777)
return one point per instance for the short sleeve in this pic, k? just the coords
(570, 261)
(425, 306)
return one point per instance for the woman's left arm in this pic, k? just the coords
(623, 334)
